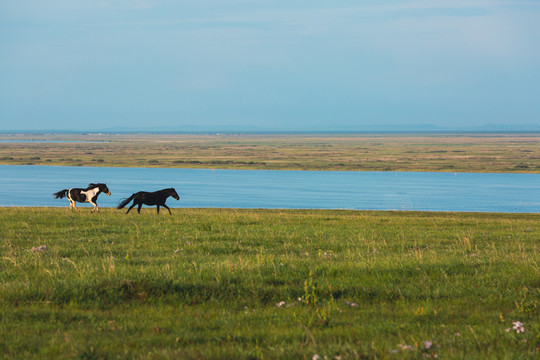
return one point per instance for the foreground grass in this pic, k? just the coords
(435, 152)
(216, 283)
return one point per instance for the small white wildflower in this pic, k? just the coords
(518, 326)
(427, 344)
(316, 357)
(280, 304)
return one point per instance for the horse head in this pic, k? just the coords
(102, 187)
(174, 194)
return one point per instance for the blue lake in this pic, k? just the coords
(423, 191)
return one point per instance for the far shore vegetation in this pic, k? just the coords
(460, 152)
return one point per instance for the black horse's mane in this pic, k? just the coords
(163, 191)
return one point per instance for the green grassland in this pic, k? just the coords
(268, 284)
(385, 152)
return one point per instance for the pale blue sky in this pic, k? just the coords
(271, 65)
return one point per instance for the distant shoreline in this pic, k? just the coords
(254, 132)
(505, 152)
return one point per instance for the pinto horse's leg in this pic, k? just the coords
(71, 201)
(95, 206)
(73, 206)
(166, 207)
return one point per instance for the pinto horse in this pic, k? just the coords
(90, 195)
(149, 198)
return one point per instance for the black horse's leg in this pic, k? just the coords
(131, 207)
(166, 207)
(139, 206)
(157, 209)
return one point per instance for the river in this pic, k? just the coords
(33, 185)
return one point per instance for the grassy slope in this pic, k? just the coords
(214, 283)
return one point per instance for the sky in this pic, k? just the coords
(268, 65)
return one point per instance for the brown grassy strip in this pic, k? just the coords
(519, 153)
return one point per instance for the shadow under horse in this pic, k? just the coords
(157, 198)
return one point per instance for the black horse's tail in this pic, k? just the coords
(60, 194)
(125, 202)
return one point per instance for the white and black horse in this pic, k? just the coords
(149, 198)
(90, 195)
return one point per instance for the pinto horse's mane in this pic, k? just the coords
(93, 186)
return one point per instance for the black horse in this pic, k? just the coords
(90, 194)
(149, 198)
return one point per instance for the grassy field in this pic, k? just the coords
(435, 152)
(267, 284)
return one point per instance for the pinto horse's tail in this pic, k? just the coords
(60, 194)
(125, 202)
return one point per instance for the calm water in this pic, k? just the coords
(34, 185)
